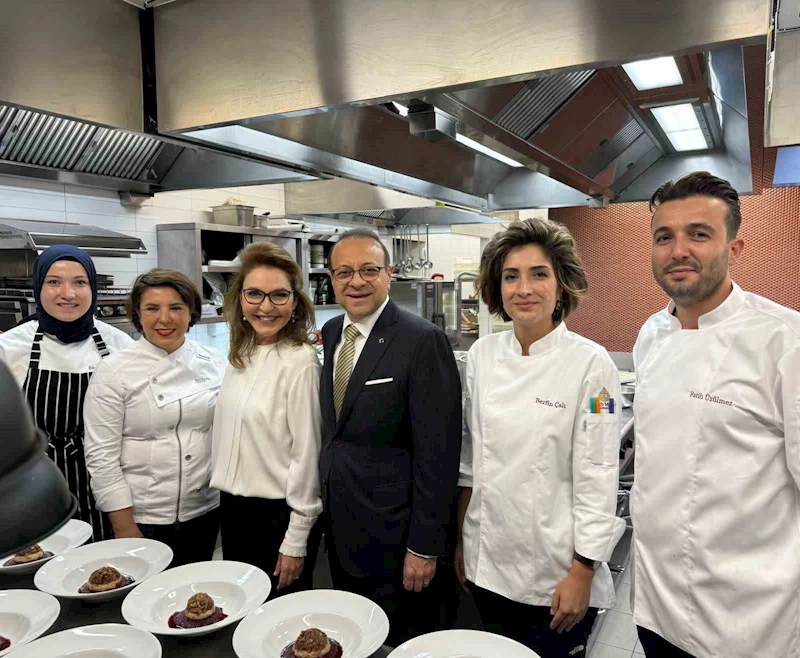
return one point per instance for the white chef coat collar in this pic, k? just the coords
(366, 325)
(728, 308)
(148, 347)
(542, 345)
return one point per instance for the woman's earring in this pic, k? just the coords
(244, 317)
(294, 317)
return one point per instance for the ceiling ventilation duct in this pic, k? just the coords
(431, 123)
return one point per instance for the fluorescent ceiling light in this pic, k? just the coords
(681, 126)
(654, 73)
(402, 109)
(476, 146)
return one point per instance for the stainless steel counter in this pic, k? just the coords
(77, 613)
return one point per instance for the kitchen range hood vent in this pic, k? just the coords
(538, 100)
(35, 236)
(33, 138)
(611, 149)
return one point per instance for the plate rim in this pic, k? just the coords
(398, 652)
(23, 568)
(51, 619)
(180, 632)
(369, 650)
(98, 596)
(113, 626)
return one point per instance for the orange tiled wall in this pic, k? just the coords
(614, 243)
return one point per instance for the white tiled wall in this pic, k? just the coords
(21, 198)
(447, 248)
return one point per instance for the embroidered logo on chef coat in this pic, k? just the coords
(551, 403)
(602, 404)
(201, 379)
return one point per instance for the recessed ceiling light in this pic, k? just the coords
(654, 73)
(681, 126)
(477, 146)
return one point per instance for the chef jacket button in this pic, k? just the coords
(160, 397)
(172, 427)
(188, 458)
(154, 380)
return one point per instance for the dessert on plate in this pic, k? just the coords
(26, 555)
(312, 643)
(105, 579)
(200, 611)
(4, 643)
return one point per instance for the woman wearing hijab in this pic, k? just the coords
(53, 356)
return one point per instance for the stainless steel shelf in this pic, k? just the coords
(327, 307)
(318, 270)
(229, 269)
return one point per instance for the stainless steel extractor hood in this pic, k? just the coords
(35, 237)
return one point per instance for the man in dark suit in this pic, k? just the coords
(391, 408)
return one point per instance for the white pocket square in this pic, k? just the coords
(379, 381)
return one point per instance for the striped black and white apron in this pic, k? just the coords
(56, 399)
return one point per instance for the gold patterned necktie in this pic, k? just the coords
(344, 367)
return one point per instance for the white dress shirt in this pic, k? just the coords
(543, 469)
(716, 504)
(268, 433)
(148, 421)
(364, 327)
(15, 349)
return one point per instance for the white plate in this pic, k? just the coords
(100, 641)
(462, 644)
(358, 624)
(24, 615)
(236, 587)
(75, 533)
(139, 558)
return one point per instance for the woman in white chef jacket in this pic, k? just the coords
(52, 356)
(267, 427)
(148, 416)
(539, 469)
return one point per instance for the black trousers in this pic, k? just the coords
(530, 625)
(190, 541)
(410, 613)
(252, 532)
(656, 646)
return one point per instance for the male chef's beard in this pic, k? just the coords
(709, 280)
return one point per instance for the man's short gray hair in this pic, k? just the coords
(361, 234)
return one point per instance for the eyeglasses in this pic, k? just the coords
(276, 297)
(369, 273)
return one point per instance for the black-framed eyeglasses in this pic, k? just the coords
(369, 273)
(255, 296)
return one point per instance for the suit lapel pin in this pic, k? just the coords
(381, 341)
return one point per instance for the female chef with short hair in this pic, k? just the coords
(539, 466)
(53, 356)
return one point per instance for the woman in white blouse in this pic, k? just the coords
(267, 427)
(539, 464)
(148, 417)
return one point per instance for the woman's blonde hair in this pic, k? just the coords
(242, 336)
(559, 245)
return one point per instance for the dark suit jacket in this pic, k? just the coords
(389, 466)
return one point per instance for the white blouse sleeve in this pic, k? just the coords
(302, 486)
(103, 416)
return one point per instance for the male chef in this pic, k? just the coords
(716, 505)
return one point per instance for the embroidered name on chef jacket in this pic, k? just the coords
(550, 403)
(697, 395)
(602, 404)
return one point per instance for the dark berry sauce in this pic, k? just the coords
(180, 620)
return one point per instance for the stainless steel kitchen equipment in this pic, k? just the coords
(21, 242)
(234, 214)
(438, 302)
